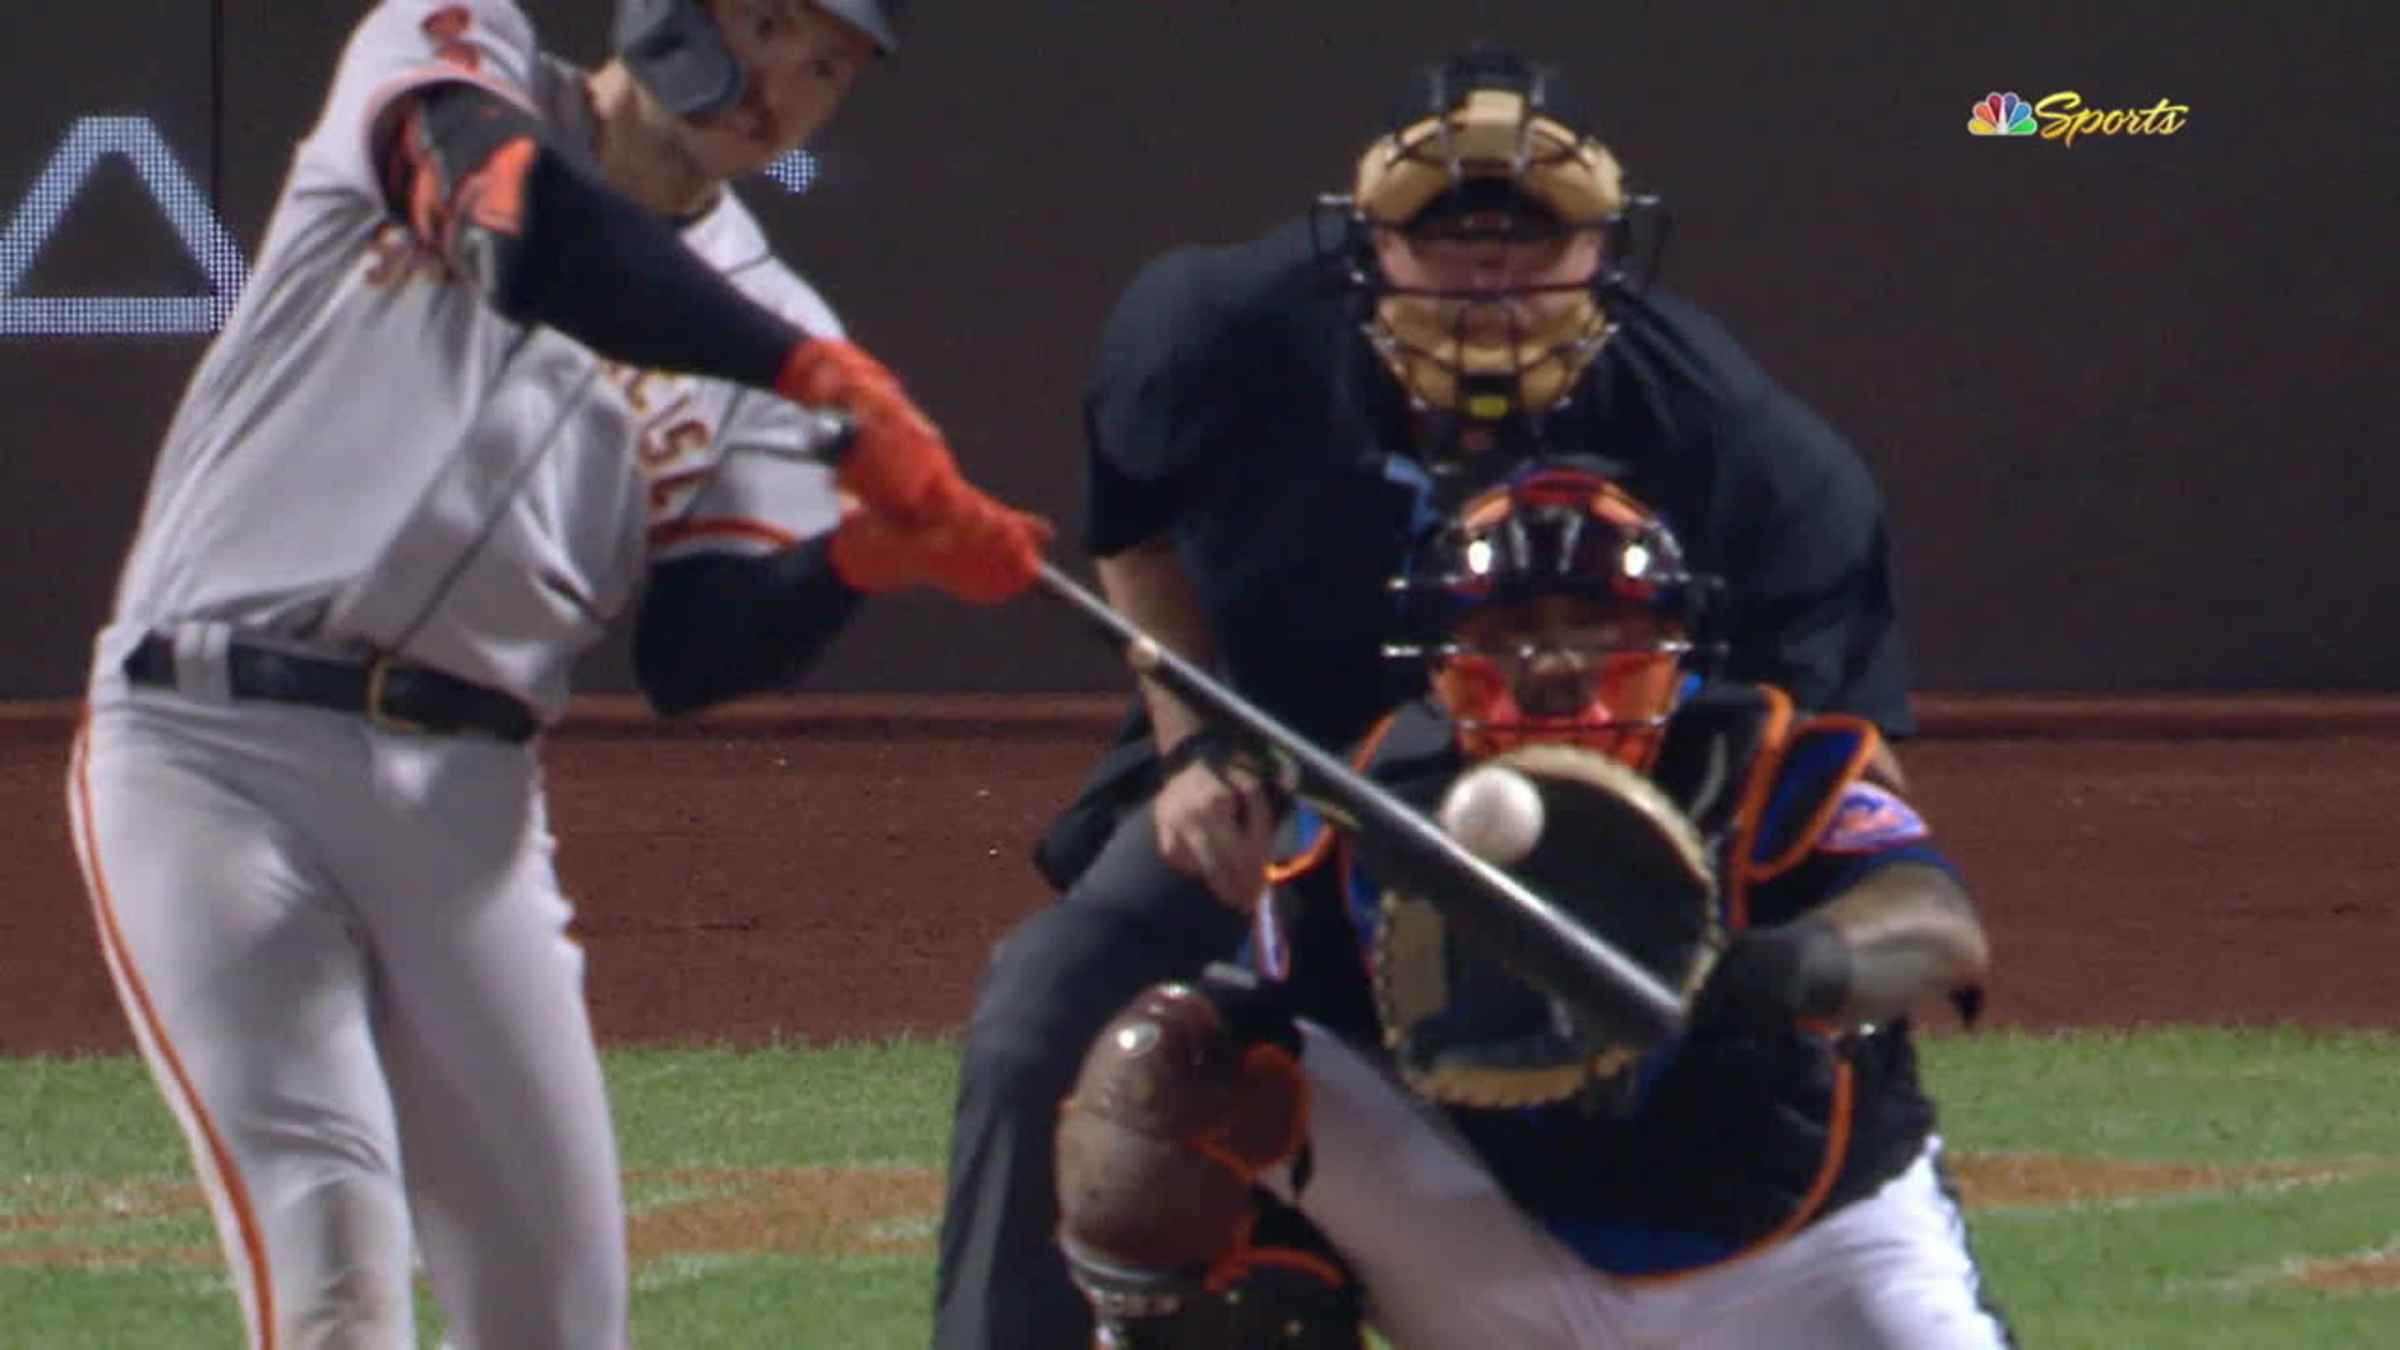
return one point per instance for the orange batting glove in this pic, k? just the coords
(981, 551)
(899, 464)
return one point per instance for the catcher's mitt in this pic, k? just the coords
(1614, 852)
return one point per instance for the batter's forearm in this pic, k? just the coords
(1147, 584)
(474, 176)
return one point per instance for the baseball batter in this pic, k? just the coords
(1487, 1170)
(513, 360)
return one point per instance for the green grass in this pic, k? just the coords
(2184, 1094)
(2193, 1270)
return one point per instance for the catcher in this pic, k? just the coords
(1472, 1161)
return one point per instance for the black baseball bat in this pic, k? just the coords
(1545, 943)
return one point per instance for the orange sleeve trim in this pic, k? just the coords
(1210, 1147)
(137, 997)
(490, 196)
(1308, 860)
(721, 527)
(1373, 741)
(1226, 1270)
(1274, 1061)
(1754, 802)
(494, 195)
(1802, 843)
(416, 79)
(1290, 1258)
(1829, 1170)
(1305, 861)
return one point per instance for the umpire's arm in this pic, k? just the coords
(1147, 584)
(1809, 574)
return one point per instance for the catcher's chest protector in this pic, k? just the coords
(1742, 1140)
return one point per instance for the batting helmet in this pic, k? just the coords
(1603, 618)
(673, 47)
(1491, 136)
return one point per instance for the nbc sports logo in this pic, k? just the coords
(2002, 115)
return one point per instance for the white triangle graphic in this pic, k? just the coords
(185, 206)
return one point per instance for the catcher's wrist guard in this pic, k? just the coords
(1771, 977)
(1183, 1101)
(1209, 745)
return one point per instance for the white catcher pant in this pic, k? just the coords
(343, 953)
(1450, 1263)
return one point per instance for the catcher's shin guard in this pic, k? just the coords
(1186, 1097)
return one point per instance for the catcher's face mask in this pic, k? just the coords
(1487, 233)
(1561, 670)
(1567, 613)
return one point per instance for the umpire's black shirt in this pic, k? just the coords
(1238, 408)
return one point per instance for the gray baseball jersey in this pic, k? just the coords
(370, 457)
(342, 944)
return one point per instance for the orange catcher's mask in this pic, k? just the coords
(1565, 614)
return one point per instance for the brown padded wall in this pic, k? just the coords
(2129, 397)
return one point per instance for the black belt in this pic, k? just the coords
(395, 697)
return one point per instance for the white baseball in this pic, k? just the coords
(1495, 812)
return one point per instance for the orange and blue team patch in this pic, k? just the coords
(1871, 819)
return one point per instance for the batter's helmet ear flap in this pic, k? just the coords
(674, 48)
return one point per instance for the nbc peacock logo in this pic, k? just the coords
(2002, 115)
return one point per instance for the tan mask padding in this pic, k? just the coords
(1573, 175)
(1425, 355)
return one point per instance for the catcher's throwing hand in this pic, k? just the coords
(978, 550)
(1216, 824)
(1773, 977)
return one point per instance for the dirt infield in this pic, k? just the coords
(828, 868)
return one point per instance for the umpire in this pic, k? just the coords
(1270, 426)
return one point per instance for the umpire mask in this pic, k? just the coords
(1488, 233)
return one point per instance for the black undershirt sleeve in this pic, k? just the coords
(582, 257)
(715, 627)
(550, 244)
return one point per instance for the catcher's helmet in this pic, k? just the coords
(1489, 137)
(673, 47)
(1558, 609)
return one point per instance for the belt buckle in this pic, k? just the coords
(378, 671)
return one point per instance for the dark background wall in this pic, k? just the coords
(2132, 399)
